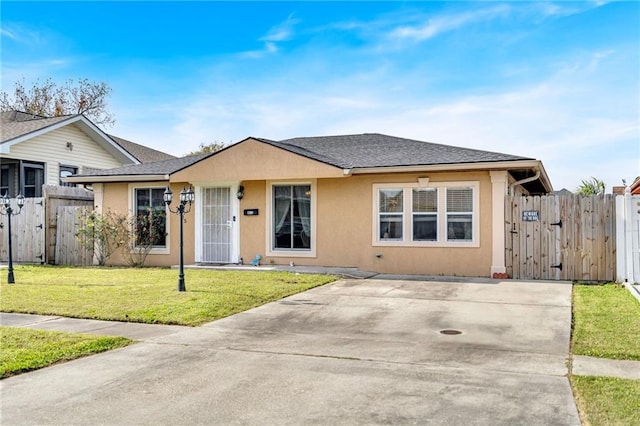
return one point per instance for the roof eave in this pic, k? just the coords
(115, 178)
(107, 143)
(487, 165)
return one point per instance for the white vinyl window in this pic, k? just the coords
(438, 214)
(291, 219)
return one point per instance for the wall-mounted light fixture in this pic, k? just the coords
(240, 193)
(69, 146)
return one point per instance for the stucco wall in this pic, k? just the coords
(345, 229)
(119, 198)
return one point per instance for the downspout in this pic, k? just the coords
(526, 180)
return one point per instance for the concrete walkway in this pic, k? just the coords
(581, 365)
(351, 352)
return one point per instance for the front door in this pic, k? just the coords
(217, 225)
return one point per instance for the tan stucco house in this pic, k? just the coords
(37, 151)
(371, 201)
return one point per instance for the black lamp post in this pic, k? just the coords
(186, 199)
(7, 210)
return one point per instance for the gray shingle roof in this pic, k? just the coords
(377, 150)
(346, 152)
(142, 153)
(156, 168)
(14, 124)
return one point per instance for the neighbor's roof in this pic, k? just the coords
(371, 150)
(144, 154)
(17, 125)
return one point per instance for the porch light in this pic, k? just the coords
(187, 197)
(240, 193)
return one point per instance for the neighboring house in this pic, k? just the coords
(371, 201)
(35, 150)
(635, 187)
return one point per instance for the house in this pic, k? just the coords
(635, 186)
(36, 150)
(376, 202)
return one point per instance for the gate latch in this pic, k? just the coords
(559, 266)
(558, 223)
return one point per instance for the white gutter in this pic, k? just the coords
(116, 178)
(526, 180)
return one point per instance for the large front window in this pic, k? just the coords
(151, 217)
(291, 217)
(439, 214)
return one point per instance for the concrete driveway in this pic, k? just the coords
(353, 352)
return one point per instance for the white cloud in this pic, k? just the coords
(282, 32)
(445, 23)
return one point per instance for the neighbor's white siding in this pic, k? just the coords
(51, 148)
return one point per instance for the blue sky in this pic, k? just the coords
(557, 81)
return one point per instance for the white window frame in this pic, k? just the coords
(441, 187)
(269, 250)
(132, 211)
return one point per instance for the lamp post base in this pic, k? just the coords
(181, 286)
(10, 278)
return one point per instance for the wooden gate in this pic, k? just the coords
(27, 232)
(70, 248)
(568, 237)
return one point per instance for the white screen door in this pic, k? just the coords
(217, 225)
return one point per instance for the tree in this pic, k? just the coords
(208, 148)
(104, 234)
(49, 99)
(592, 186)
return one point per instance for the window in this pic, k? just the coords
(291, 215)
(390, 214)
(33, 179)
(151, 217)
(425, 214)
(7, 180)
(66, 171)
(459, 214)
(440, 214)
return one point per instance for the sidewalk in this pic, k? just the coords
(581, 365)
(131, 330)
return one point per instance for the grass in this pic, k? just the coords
(606, 324)
(26, 349)
(608, 400)
(147, 295)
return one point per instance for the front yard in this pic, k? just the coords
(606, 324)
(146, 295)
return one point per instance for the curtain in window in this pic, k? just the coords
(292, 217)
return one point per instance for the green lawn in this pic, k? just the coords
(147, 295)
(608, 400)
(606, 324)
(24, 349)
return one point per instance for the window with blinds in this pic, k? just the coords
(440, 214)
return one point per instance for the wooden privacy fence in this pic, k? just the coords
(69, 248)
(55, 197)
(27, 232)
(568, 237)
